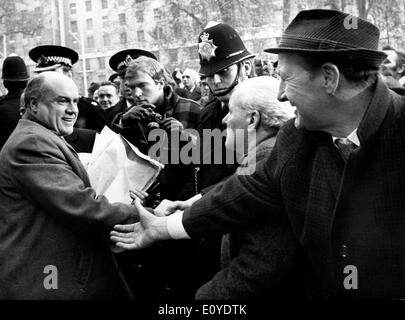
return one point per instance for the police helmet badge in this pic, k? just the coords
(206, 48)
(128, 60)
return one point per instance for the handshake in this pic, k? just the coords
(151, 228)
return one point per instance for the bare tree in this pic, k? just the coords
(363, 7)
(14, 18)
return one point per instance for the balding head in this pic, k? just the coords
(190, 78)
(50, 99)
(255, 114)
(260, 94)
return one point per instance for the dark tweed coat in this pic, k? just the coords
(50, 216)
(259, 262)
(343, 215)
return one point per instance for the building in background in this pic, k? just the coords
(97, 29)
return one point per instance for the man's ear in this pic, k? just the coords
(254, 120)
(331, 77)
(162, 81)
(247, 68)
(33, 104)
(401, 69)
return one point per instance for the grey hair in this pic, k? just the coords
(260, 94)
(192, 74)
(35, 89)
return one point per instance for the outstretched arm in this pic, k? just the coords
(143, 234)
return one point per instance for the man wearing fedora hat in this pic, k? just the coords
(335, 171)
(15, 77)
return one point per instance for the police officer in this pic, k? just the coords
(119, 63)
(15, 77)
(224, 62)
(61, 59)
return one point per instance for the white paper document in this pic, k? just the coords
(116, 166)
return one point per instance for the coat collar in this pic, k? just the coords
(375, 112)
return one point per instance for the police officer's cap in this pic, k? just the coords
(120, 61)
(219, 47)
(49, 57)
(113, 77)
(14, 69)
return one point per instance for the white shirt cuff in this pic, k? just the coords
(175, 226)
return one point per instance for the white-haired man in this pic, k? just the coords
(260, 261)
(191, 80)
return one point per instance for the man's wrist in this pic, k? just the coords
(175, 227)
(160, 230)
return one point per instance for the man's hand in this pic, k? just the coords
(171, 124)
(135, 193)
(167, 207)
(143, 234)
(143, 112)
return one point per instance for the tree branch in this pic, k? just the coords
(189, 13)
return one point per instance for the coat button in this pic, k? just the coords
(344, 251)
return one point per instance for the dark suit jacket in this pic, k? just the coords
(259, 262)
(195, 95)
(9, 114)
(92, 112)
(110, 113)
(82, 140)
(212, 172)
(343, 214)
(50, 216)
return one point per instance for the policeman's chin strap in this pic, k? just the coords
(232, 86)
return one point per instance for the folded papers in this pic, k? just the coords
(115, 166)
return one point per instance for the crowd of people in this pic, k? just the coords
(299, 195)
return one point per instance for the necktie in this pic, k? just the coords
(345, 147)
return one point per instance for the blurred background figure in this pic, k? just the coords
(177, 76)
(15, 77)
(107, 95)
(191, 80)
(261, 67)
(95, 95)
(114, 78)
(92, 89)
(206, 93)
(393, 67)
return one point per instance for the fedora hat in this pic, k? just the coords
(120, 61)
(14, 69)
(49, 57)
(330, 32)
(219, 47)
